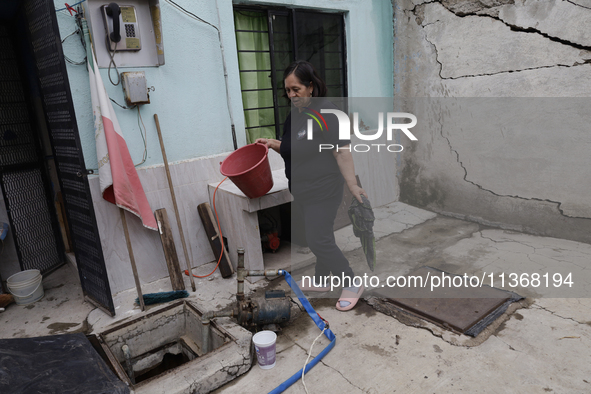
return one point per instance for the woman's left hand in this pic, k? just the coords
(356, 191)
(271, 143)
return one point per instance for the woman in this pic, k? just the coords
(316, 177)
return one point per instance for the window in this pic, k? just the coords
(268, 40)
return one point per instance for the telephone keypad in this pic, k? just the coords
(129, 30)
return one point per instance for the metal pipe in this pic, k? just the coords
(262, 273)
(205, 335)
(205, 326)
(240, 275)
(127, 355)
(228, 101)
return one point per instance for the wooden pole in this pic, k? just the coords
(176, 208)
(132, 259)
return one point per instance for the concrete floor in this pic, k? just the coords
(543, 343)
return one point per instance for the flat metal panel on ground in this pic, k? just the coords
(454, 307)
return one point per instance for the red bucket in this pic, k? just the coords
(249, 169)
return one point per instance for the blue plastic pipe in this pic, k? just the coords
(319, 322)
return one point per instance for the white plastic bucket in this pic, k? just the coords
(26, 286)
(264, 344)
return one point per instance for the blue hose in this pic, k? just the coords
(319, 322)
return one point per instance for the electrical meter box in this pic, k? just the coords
(135, 88)
(128, 33)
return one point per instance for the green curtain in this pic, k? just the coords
(252, 39)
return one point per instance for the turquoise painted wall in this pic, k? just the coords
(189, 95)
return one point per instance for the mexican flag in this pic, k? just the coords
(119, 181)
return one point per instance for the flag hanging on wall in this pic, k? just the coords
(119, 181)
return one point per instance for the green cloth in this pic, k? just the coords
(254, 54)
(362, 218)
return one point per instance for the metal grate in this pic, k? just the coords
(31, 220)
(11, 91)
(13, 155)
(292, 34)
(63, 131)
(22, 176)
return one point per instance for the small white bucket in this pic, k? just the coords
(264, 344)
(26, 286)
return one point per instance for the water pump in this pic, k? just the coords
(273, 308)
(251, 312)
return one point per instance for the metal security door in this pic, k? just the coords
(23, 177)
(63, 131)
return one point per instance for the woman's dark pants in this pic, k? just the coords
(318, 221)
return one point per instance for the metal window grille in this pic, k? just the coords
(285, 35)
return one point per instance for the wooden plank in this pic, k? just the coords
(136, 277)
(211, 229)
(172, 259)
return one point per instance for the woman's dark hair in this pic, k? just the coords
(306, 73)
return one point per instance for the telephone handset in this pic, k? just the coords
(123, 29)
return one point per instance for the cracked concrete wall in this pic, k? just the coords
(531, 177)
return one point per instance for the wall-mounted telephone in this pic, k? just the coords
(122, 26)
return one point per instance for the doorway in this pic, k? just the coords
(26, 162)
(41, 152)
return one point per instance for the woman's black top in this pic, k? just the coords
(313, 175)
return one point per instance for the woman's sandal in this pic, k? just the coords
(349, 296)
(312, 288)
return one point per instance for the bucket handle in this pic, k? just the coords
(33, 292)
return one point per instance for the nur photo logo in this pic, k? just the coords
(390, 125)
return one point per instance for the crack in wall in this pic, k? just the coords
(418, 12)
(436, 58)
(558, 203)
(475, 6)
(578, 5)
(526, 30)
(513, 71)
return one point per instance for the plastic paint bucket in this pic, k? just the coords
(264, 344)
(249, 169)
(26, 286)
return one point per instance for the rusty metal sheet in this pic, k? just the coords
(455, 308)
